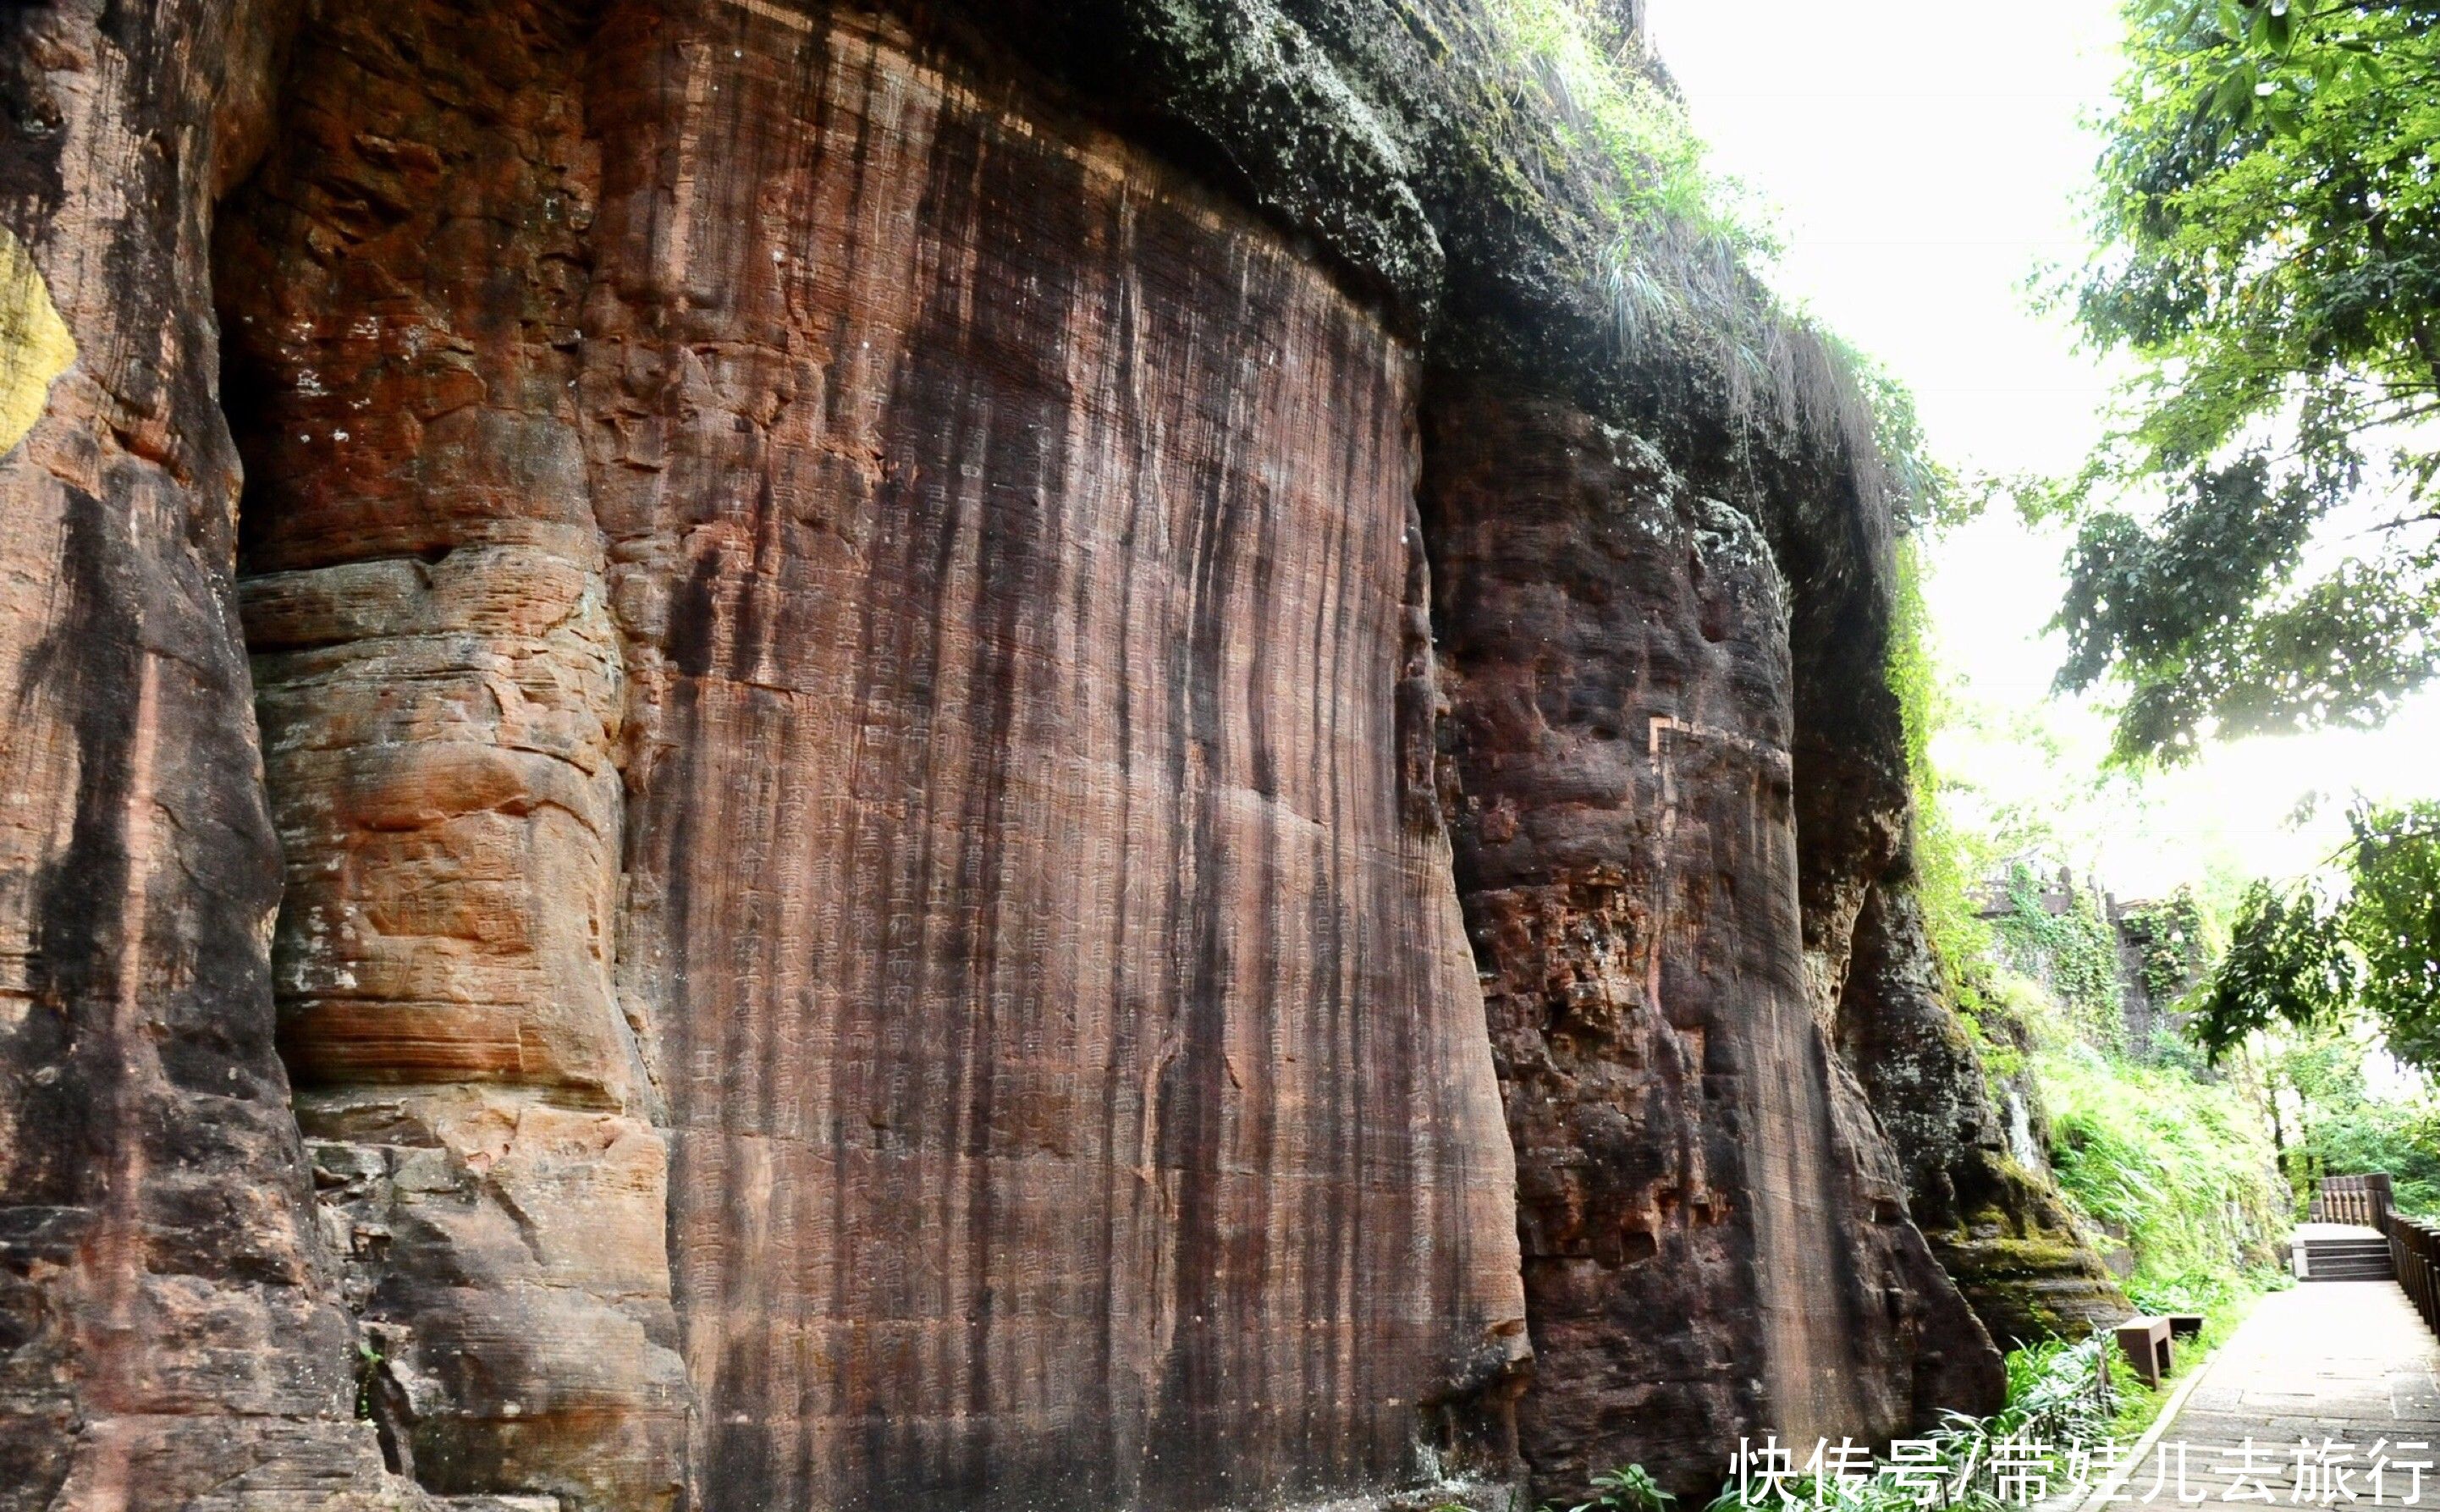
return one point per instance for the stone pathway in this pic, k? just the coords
(2346, 1368)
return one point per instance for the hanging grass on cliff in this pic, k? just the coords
(1682, 253)
(2180, 1170)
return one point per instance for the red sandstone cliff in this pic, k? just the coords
(788, 653)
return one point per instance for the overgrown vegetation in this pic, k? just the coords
(2063, 1405)
(2071, 950)
(2181, 1170)
(2172, 941)
(1948, 861)
(2163, 1159)
(2330, 1122)
(1625, 114)
(1688, 254)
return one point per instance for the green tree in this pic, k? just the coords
(2269, 254)
(2393, 921)
(2303, 959)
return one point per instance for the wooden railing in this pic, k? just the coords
(2415, 1249)
(2414, 1244)
(2353, 1200)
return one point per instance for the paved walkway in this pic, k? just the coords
(2346, 1368)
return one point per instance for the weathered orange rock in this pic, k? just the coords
(1002, 589)
(1715, 1235)
(837, 810)
(1073, 1052)
(170, 1323)
(441, 688)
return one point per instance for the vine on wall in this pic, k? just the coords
(2074, 952)
(2169, 943)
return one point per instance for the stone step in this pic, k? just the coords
(2319, 1261)
(2317, 1258)
(2375, 1262)
(2351, 1258)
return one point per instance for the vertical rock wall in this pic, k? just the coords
(1714, 1240)
(1999, 1228)
(169, 1322)
(1075, 1063)
(988, 559)
(846, 678)
(442, 689)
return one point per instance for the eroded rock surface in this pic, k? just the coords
(442, 689)
(1998, 1225)
(1075, 1063)
(844, 658)
(1715, 1240)
(987, 556)
(170, 1325)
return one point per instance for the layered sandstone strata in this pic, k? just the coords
(171, 1324)
(442, 689)
(845, 668)
(987, 557)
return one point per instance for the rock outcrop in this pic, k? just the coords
(172, 1330)
(1714, 1239)
(1074, 1061)
(826, 734)
(1998, 1224)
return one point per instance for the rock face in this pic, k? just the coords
(442, 692)
(1075, 1064)
(818, 735)
(170, 1327)
(2000, 1227)
(1714, 1243)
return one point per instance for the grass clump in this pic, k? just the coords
(2178, 1170)
(1683, 252)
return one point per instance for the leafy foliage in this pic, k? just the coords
(2335, 1125)
(1948, 861)
(2171, 942)
(2286, 964)
(2269, 231)
(2061, 1396)
(2393, 920)
(1630, 1489)
(2301, 959)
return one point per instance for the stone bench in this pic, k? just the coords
(2146, 1344)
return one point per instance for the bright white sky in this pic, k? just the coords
(1926, 155)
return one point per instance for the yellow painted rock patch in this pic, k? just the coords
(35, 346)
